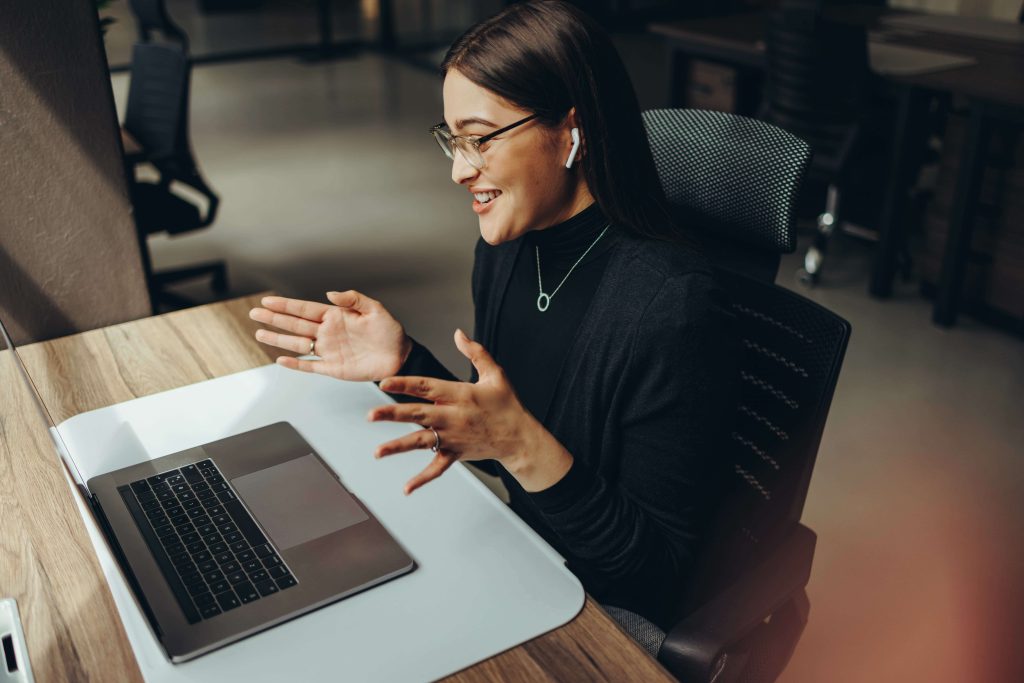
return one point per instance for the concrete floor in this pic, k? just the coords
(329, 180)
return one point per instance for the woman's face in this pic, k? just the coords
(524, 184)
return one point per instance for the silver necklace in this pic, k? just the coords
(544, 300)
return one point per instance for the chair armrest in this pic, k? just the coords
(693, 645)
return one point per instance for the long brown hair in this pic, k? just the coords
(548, 57)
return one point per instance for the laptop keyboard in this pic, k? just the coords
(207, 545)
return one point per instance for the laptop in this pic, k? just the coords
(229, 538)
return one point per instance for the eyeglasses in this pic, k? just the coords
(469, 145)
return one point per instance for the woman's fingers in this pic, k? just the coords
(351, 299)
(310, 310)
(415, 413)
(420, 440)
(441, 462)
(303, 365)
(476, 353)
(299, 326)
(287, 342)
(435, 390)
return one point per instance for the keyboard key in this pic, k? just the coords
(213, 510)
(214, 478)
(219, 586)
(165, 531)
(145, 497)
(268, 587)
(206, 529)
(203, 556)
(195, 512)
(227, 528)
(190, 502)
(286, 582)
(199, 520)
(196, 546)
(213, 539)
(252, 566)
(207, 565)
(209, 611)
(227, 600)
(263, 551)
(220, 486)
(192, 474)
(189, 538)
(139, 486)
(259, 575)
(201, 486)
(174, 548)
(165, 496)
(237, 577)
(205, 464)
(185, 528)
(218, 549)
(197, 588)
(221, 519)
(160, 487)
(235, 537)
(155, 512)
(180, 559)
(271, 561)
(191, 578)
(175, 479)
(230, 567)
(205, 494)
(180, 488)
(204, 599)
(246, 592)
(278, 572)
(178, 519)
(225, 496)
(246, 555)
(239, 546)
(163, 476)
(214, 576)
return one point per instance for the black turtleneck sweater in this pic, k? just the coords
(629, 368)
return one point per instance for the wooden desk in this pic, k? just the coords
(48, 565)
(993, 88)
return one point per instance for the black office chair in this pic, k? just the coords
(157, 117)
(732, 180)
(817, 78)
(746, 605)
(151, 16)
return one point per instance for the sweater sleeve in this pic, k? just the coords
(633, 534)
(421, 363)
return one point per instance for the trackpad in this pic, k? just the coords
(298, 501)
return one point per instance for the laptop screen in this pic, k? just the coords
(7, 344)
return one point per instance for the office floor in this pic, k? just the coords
(329, 180)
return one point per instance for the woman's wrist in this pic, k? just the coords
(540, 461)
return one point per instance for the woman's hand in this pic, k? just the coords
(356, 338)
(480, 421)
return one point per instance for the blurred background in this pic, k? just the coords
(309, 168)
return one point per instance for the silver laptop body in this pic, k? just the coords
(231, 537)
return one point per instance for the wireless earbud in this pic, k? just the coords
(575, 133)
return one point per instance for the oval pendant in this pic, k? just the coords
(543, 301)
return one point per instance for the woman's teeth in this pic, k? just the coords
(485, 197)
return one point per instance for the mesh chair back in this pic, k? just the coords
(157, 111)
(792, 350)
(729, 176)
(816, 79)
(151, 15)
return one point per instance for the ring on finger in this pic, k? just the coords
(312, 346)
(437, 440)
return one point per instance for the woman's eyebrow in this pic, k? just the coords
(462, 123)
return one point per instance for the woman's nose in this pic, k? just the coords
(462, 170)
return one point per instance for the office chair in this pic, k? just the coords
(818, 74)
(732, 180)
(157, 117)
(150, 16)
(746, 604)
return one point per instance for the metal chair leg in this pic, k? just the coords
(814, 259)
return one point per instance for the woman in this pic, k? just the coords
(600, 379)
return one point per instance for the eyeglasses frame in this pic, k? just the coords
(473, 140)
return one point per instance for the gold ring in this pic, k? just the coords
(312, 346)
(437, 440)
